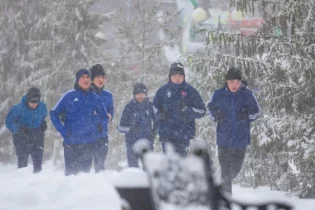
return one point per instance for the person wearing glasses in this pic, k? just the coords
(26, 121)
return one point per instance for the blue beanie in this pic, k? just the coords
(79, 74)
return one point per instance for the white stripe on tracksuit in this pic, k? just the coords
(256, 115)
(58, 102)
(123, 129)
(201, 111)
(210, 114)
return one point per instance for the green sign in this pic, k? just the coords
(194, 3)
(277, 32)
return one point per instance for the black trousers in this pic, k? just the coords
(78, 158)
(99, 154)
(132, 158)
(26, 144)
(231, 161)
(180, 146)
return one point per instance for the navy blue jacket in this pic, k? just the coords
(22, 115)
(177, 107)
(107, 101)
(79, 116)
(138, 120)
(234, 111)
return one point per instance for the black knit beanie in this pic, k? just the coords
(234, 74)
(97, 70)
(139, 88)
(177, 68)
(33, 95)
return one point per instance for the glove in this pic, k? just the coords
(100, 128)
(136, 129)
(182, 106)
(23, 129)
(163, 115)
(43, 126)
(132, 120)
(243, 115)
(62, 117)
(68, 133)
(109, 117)
(153, 134)
(142, 120)
(220, 116)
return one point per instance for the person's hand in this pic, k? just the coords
(136, 129)
(67, 134)
(43, 126)
(23, 129)
(133, 120)
(220, 115)
(164, 115)
(242, 115)
(109, 117)
(62, 117)
(182, 106)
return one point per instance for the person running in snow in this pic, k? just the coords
(78, 116)
(26, 121)
(138, 121)
(177, 105)
(99, 79)
(233, 107)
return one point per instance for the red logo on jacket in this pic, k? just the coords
(183, 93)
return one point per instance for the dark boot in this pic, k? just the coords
(37, 170)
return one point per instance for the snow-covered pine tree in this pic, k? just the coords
(42, 44)
(280, 68)
(144, 30)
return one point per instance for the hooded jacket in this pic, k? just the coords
(22, 115)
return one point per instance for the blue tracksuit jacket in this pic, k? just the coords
(21, 115)
(107, 100)
(82, 114)
(232, 131)
(137, 121)
(177, 107)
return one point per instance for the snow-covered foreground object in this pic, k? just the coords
(186, 183)
(51, 190)
(178, 183)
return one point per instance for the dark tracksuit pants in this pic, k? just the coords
(180, 146)
(78, 158)
(100, 153)
(231, 161)
(132, 158)
(30, 143)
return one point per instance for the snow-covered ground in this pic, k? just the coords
(51, 190)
